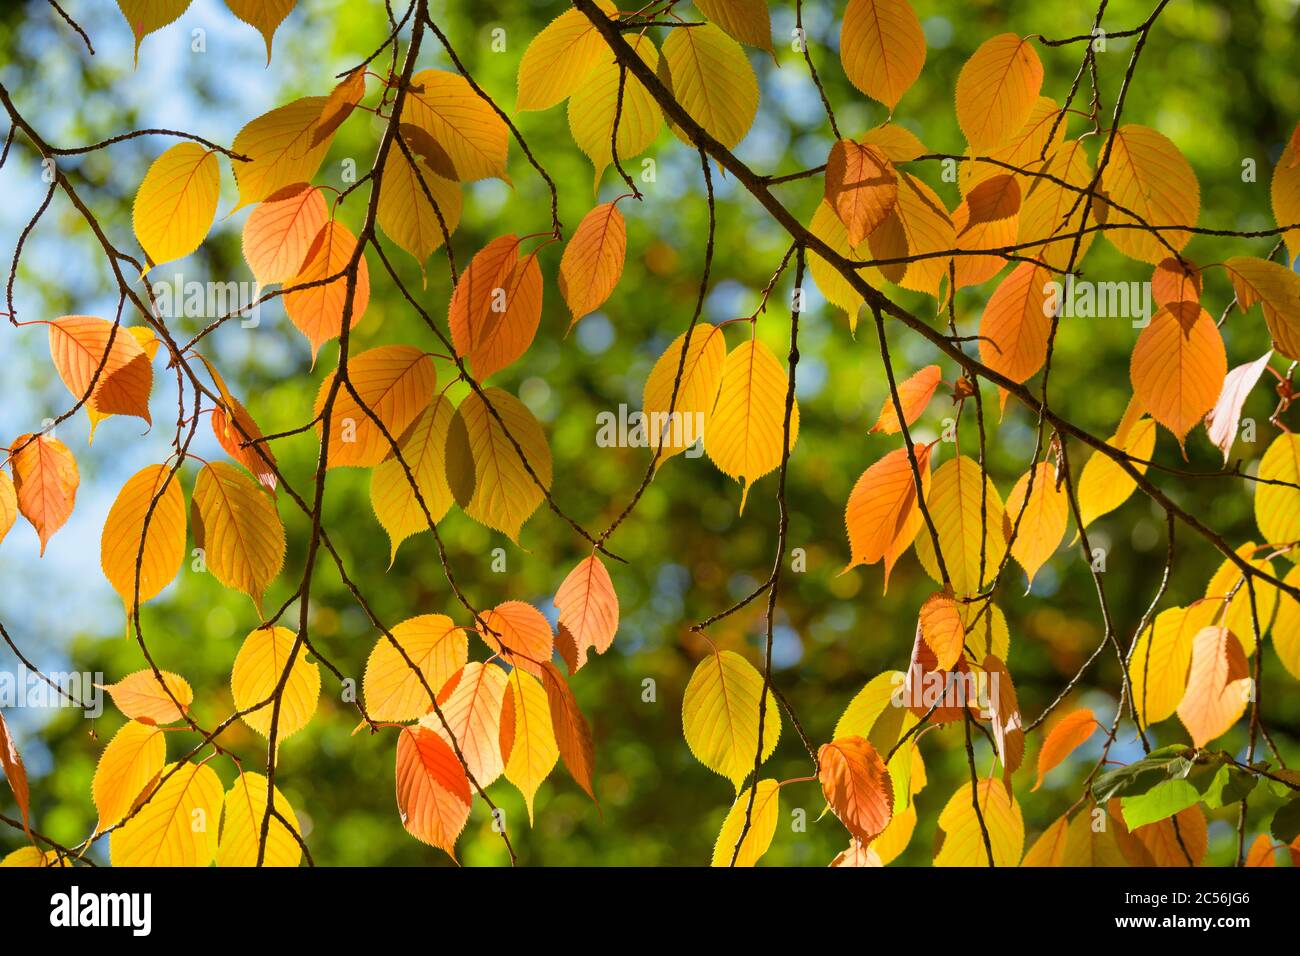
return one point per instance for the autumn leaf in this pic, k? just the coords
(131, 762)
(8, 504)
(882, 515)
(1285, 193)
(102, 363)
(143, 542)
(762, 817)
(882, 48)
(918, 226)
(572, 734)
(433, 795)
(1173, 281)
(1160, 659)
(1066, 736)
(395, 384)
(519, 632)
(987, 219)
(489, 475)
(446, 107)
(1017, 322)
(1286, 627)
(745, 433)
(588, 608)
(898, 143)
(419, 208)
(177, 826)
(11, 762)
(177, 202)
(1277, 290)
(1148, 175)
(241, 826)
(941, 628)
(265, 15)
(996, 89)
(242, 440)
(146, 16)
(534, 750)
(259, 668)
(142, 696)
(1222, 420)
(339, 105)
(593, 260)
(695, 361)
(914, 394)
(398, 683)
(1043, 513)
(1235, 609)
(496, 306)
(318, 310)
(471, 703)
(1104, 485)
(1277, 506)
(594, 105)
(45, 482)
(397, 504)
(238, 528)
(720, 716)
(861, 187)
(559, 58)
(747, 20)
(963, 841)
(1178, 368)
(1218, 685)
(711, 78)
(856, 785)
(279, 150)
(969, 521)
(279, 232)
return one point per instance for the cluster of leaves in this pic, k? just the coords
(1033, 199)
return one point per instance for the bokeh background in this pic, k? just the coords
(1216, 77)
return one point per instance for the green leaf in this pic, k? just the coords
(1161, 801)
(1286, 822)
(1224, 786)
(1141, 775)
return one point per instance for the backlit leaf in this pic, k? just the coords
(747, 20)
(588, 608)
(534, 750)
(709, 74)
(265, 15)
(237, 526)
(1065, 737)
(519, 632)
(446, 107)
(1218, 685)
(146, 16)
(125, 543)
(1277, 289)
(882, 515)
(140, 696)
(1017, 322)
(593, 260)
(1178, 368)
(559, 58)
(914, 394)
(572, 734)
(423, 447)
(45, 482)
(279, 232)
(1277, 507)
(996, 89)
(1223, 419)
(963, 841)
(472, 708)
(941, 628)
(318, 310)
(856, 785)
(241, 826)
(701, 376)
(407, 215)
(177, 826)
(763, 818)
(1148, 175)
(437, 648)
(433, 794)
(177, 202)
(78, 344)
(1043, 524)
(861, 187)
(1161, 656)
(882, 48)
(279, 150)
(1103, 484)
(971, 538)
(720, 715)
(396, 383)
(594, 105)
(496, 306)
(259, 667)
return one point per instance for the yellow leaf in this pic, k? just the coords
(405, 213)
(1050, 209)
(318, 310)
(711, 78)
(1049, 848)
(433, 795)
(918, 224)
(496, 306)
(486, 472)
(45, 482)
(131, 761)
(559, 58)
(882, 48)
(826, 226)
(701, 375)
(343, 99)
(996, 90)
(1148, 175)
(1017, 322)
(177, 826)
(177, 202)
(1286, 628)
(1103, 484)
(861, 187)
(1160, 658)
(265, 15)
(472, 708)
(125, 544)
(237, 526)
(954, 501)
(1277, 507)
(882, 516)
(279, 232)
(534, 751)
(746, 20)
(898, 143)
(963, 841)
(1178, 367)
(1024, 150)
(720, 716)
(31, 856)
(140, 696)
(988, 218)
(146, 16)
(446, 107)
(1043, 524)
(762, 826)
(890, 845)
(1184, 846)
(1218, 685)
(279, 150)
(744, 435)
(8, 504)
(986, 630)
(593, 260)
(437, 648)
(396, 383)
(588, 608)
(259, 667)
(241, 826)
(868, 705)
(1087, 845)
(1236, 614)
(423, 448)
(594, 105)
(1285, 192)
(1277, 289)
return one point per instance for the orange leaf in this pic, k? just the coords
(1178, 367)
(257, 458)
(996, 89)
(12, 763)
(524, 632)
(433, 795)
(941, 628)
(593, 260)
(318, 311)
(1218, 685)
(496, 306)
(279, 232)
(1046, 516)
(882, 516)
(857, 786)
(45, 482)
(78, 344)
(1173, 282)
(571, 731)
(471, 704)
(339, 105)
(1017, 321)
(913, 394)
(140, 696)
(988, 218)
(1064, 738)
(882, 48)
(861, 187)
(588, 608)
